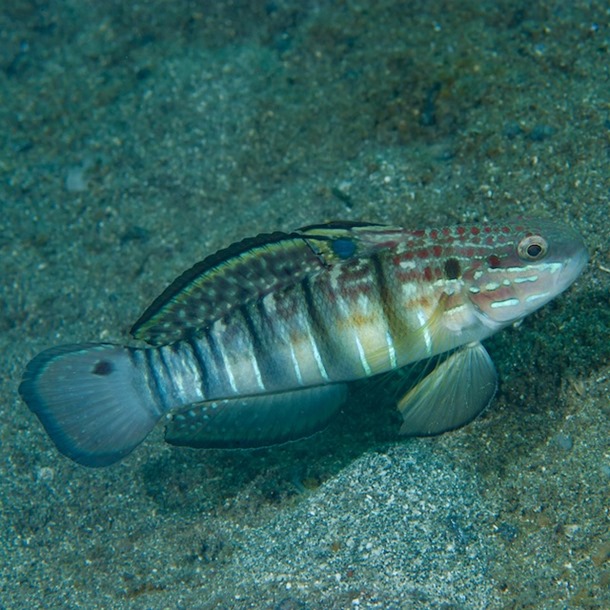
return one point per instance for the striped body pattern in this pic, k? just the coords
(265, 335)
(412, 298)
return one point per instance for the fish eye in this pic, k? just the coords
(532, 247)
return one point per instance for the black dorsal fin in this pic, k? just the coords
(243, 272)
(227, 279)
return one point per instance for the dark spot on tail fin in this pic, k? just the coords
(92, 401)
(103, 368)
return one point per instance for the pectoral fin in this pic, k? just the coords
(256, 421)
(452, 395)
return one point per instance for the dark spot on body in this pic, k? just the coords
(452, 269)
(343, 248)
(103, 368)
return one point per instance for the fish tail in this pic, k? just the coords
(92, 400)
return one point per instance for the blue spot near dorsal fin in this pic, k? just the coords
(344, 248)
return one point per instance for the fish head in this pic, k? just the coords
(529, 263)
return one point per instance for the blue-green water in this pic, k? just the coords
(140, 137)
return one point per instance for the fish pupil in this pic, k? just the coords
(103, 368)
(534, 250)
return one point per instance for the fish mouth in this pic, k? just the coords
(567, 249)
(576, 258)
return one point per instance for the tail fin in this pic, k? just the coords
(92, 401)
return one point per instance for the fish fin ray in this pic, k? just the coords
(256, 421)
(90, 401)
(247, 271)
(453, 394)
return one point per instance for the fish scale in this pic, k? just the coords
(258, 343)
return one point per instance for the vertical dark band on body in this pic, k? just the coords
(387, 298)
(155, 375)
(260, 352)
(222, 377)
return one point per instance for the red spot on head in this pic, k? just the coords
(489, 240)
(475, 230)
(419, 233)
(434, 234)
(423, 253)
(428, 274)
(461, 230)
(437, 251)
(408, 255)
(505, 229)
(469, 252)
(446, 231)
(487, 229)
(387, 244)
(494, 261)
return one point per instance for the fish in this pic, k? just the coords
(257, 344)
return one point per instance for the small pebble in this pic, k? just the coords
(564, 441)
(44, 473)
(75, 180)
(540, 133)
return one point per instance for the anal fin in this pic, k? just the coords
(256, 421)
(453, 394)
